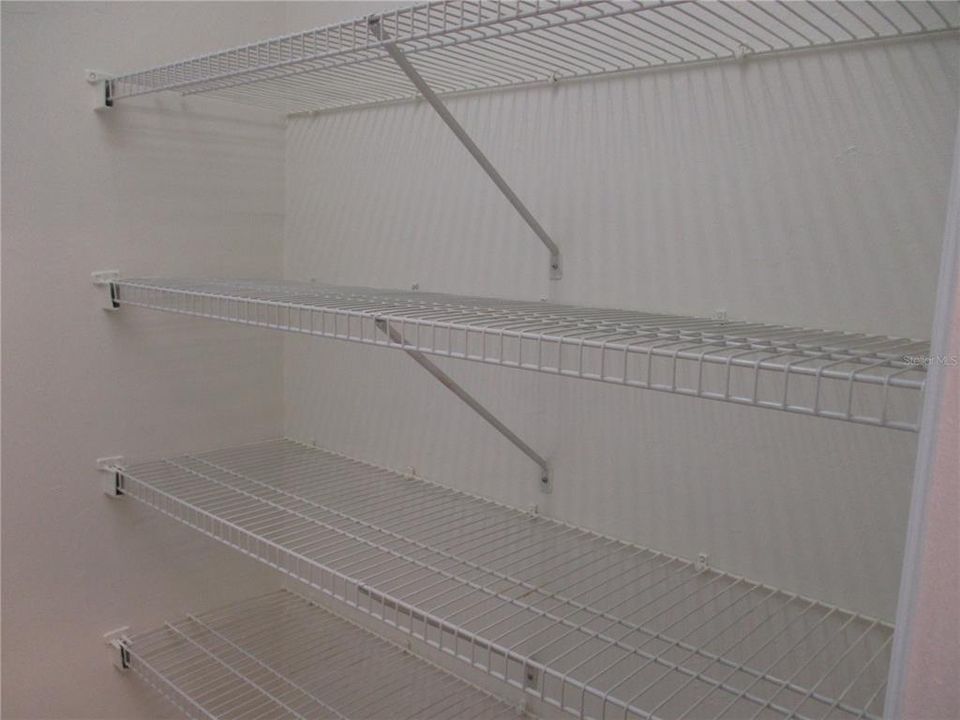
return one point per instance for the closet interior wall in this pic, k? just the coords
(807, 189)
(160, 185)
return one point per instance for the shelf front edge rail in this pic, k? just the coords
(871, 380)
(463, 46)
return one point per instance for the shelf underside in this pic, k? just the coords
(584, 622)
(865, 379)
(279, 656)
(464, 46)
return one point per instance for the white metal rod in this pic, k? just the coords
(437, 104)
(266, 693)
(467, 398)
(237, 662)
(260, 663)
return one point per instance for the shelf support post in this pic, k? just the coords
(396, 54)
(418, 357)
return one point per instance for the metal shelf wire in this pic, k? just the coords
(462, 46)
(586, 623)
(859, 378)
(281, 656)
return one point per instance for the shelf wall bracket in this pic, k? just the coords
(118, 652)
(108, 279)
(397, 55)
(397, 338)
(103, 89)
(112, 467)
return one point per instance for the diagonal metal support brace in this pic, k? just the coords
(396, 54)
(397, 338)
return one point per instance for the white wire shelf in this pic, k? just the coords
(859, 378)
(280, 656)
(594, 626)
(462, 46)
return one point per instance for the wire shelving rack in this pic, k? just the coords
(591, 625)
(282, 657)
(866, 379)
(594, 626)
(471, 45)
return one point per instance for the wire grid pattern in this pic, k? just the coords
(461, 46)
(597, 627)
(866, 379)
(280, 656)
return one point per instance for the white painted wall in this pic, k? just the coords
(806, 189)
(151, 187)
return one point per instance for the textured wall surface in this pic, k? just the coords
(806, 189)
(152, 187)
(934, 654)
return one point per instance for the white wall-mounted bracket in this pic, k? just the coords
(112, 468)
(108, 279)
(102, 89)
(448, 382)
(546, 481)
(118, 651)
(396, 54)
